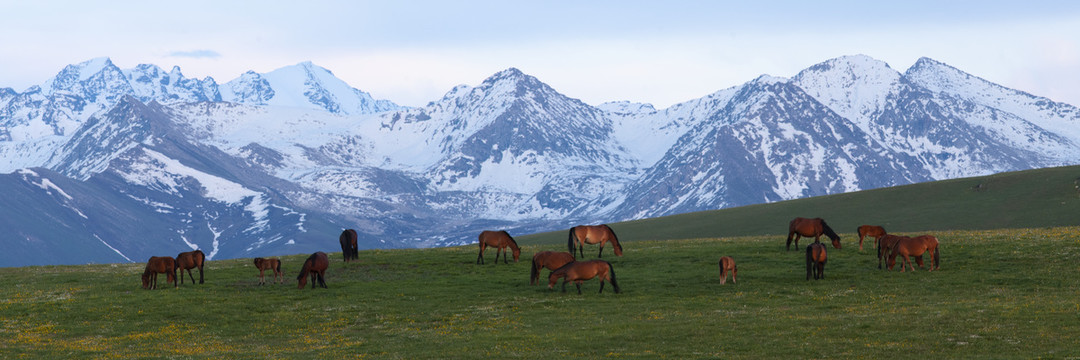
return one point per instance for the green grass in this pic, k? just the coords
(999, 294)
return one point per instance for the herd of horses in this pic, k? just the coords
(565, 266)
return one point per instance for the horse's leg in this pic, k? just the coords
(601, 285)
(200, 275)
(860, 242)
(918, 260)
(578, 284)
(600, 254)
(564, 285)
(322, 280)
(262, 280)
(480, 256)
(504, 251)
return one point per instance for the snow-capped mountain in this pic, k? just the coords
(140, 162)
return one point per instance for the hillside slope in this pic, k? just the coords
(1022, 199)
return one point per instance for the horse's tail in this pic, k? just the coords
(534, 275)
(809, 261)
(937, 257)
(278, 266)
(570, 239)
(611, 271)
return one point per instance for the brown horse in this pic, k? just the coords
(873, 231)
(727, 264)
(885, 243)
(315, 266)
(816, 258)
(500, 240)
(579, 271)
(348, 245)
(548, 259)
(915, 247)
(815, 227)
(190, 260)
(269, 264)
(592, 234)
(159, 264)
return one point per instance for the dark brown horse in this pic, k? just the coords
(315, 266)
(816, 258)
(885, 243)
(548, 259)
(727, 264)
(500, 240)
(592, 234)
(348, 245)
(190, 260)
(873, 231)
(579, 271)
(810, 227)
(914, 247)
(156, 265)
(272, 265)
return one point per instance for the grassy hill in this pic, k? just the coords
(1025, 199)
(999, 294)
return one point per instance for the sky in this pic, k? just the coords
(658, 52)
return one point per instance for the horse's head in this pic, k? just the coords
(836, 242)
(516, 252)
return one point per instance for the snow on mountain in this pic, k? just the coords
(304, 85)
(280, 162)
(1058, 118)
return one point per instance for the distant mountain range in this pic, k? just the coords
(102, 164)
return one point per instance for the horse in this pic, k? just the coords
(885, 243)
(315, 266)
(593, 234)
(269, 264)
(816, 258)
(190, 260)
(579, 271)
(348, 245)
(499, 240)
(815, 227)
(548, 259)
(727, 264)
(159, 264)
(915, 247)
(870, 230)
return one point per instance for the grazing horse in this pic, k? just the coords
(873, 231)
(915, 247)
(815, 260)
(348, 245)
(269, 264)
(500, 240)
(885, 243)
(592, 234)
(815, 227)
(159, 264)
(315, 266)
(727, 264)
(190, 260)
(579, 271)
(551, 260)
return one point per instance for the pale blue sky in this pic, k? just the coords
(660, 52)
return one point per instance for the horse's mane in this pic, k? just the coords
(512, 241)
(614, 237)
(829, 231)
(307, 265)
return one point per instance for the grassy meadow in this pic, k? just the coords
(1008, 288)
(999, 294)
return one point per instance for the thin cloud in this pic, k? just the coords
(206, 54)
